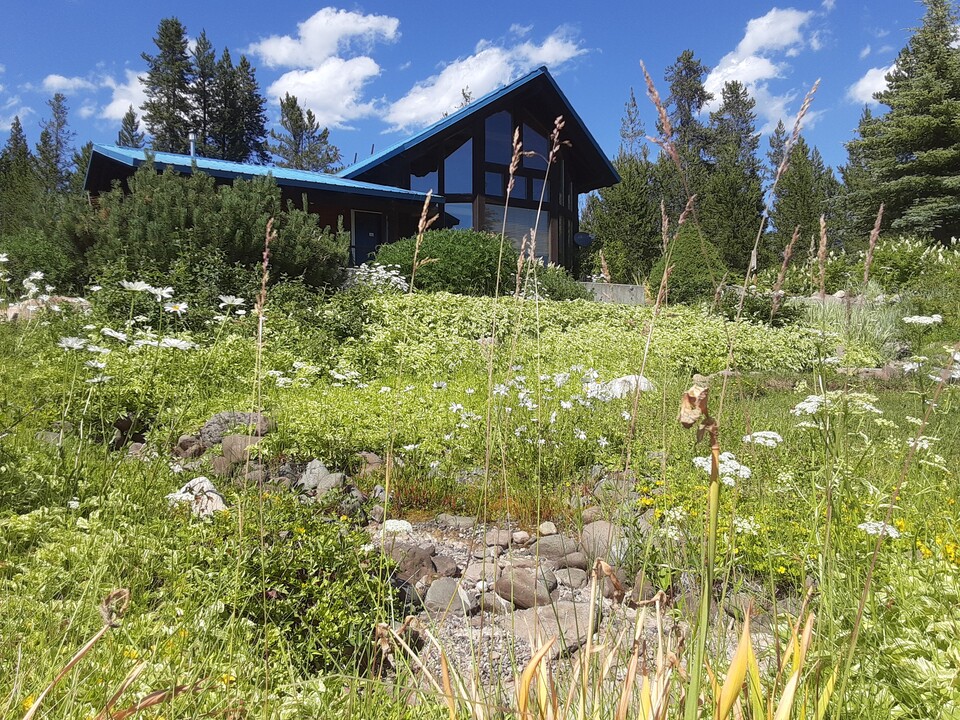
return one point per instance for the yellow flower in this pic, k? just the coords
(343, 518)
(900, 524)
(300, 530)
(227, 678)
(781, 569)
(28, 702)
(130, 653)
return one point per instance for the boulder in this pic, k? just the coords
(457, 522)
(591, 514)
(235, 447)
(477, 572)
(643, 590)
(201, 495)
(524, 587)
(554, 547)
(520, 537)
(221, 467)
(371, 463)
(500, 538)
(445, 566)
(576, 560)
(446, 596)
(547, 528)
(573, 578)
(615, 590)
(604, 540)
(377, 513)
(569, 622)
(188, 446)
(219, 425)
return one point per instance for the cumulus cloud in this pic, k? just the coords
(489, 67)
(322, 74)
(754, 61)
(123, 95)
(873, 81)
(322, 36)
(87, 110)
(13, 107)
(59, 83)
(866, 51)
(828, 5)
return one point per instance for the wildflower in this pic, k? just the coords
(385, 389)
(579, 434)
(72, 343)
(115, 334)
(35, 275)
(500, 389)
(96, 288)
(99, 379)
(283, 382)
(136, 286)
(553, 417)
(161, 294)
(566, 404)
(911, 367)
(560, 379)
(98, 349)
(178, 307)
(4, 258)
(228, 678)
(95, 364)
(730, 470)
(810, 406)
(231, 301)
(176, 343)
(240, 313)
(877, 527)
(746, 526)
(470, 391)
(935, 319)
(438, 385)
(73, 504)
(625, 414)
(913, 420)
(765, 438)
(602, 441)
(921, 443)
(456, 407)
(411, 447)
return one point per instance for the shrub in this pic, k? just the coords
(458, 261)
(30, 250)
(697, 267)
(553, 282)
(757, 306)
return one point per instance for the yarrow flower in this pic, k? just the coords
(730, 469)
(177, 307)
(766, 438)
(877, 527)
(746, 526)
(72, 343)
(934, 319)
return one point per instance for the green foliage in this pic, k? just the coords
(303, 145)
(31, 249)
(130, 135)
(697, 267)
(553, 282)
(757, 306)
(166, 111)
(19, 185)
(458, 261)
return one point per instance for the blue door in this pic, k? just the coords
(367, 235)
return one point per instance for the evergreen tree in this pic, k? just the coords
(19, 188)
(801, 197)
(167, 85)
(54, 148)
(778, 146)
(303, 144)
(911, 153)
(202, 92)
(130, 135)
(238, 124)
(253, 113)
(79, 163)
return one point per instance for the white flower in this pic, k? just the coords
(99, 379)
(96, 364)
(877, 527)
(98, 349)
(730, 470)
(411, 447)
(470, 391)
(766, 438)
(559, 379)
(553, 417)
(4, 258)
(35, 275)
(909, 367)
(500, 389)
(935, 319)
(284, 382)
(746, 526)
(142, 342)
(231, 301)
(810, 406)
(241, 312)
(96, 288)
(73, 504)
(161, 294)
(438, 385)
(385, 389)
(579, 434)
(72, 343)
(115, 334)
(136, 286)
(602, 441)
(625, 414)
(176, 343)
(177, 307)
(921, 443)
(456, 407)
(566, 404)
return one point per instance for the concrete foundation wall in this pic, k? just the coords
(616, 293)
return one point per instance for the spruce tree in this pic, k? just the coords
(54, 148)
(253, 113)
(202, 95)
(797, 202)
(778, 146)
(303, 144)
(19, 187)
(78, 163)
(238, 124)
(167, 86)
(911, 153)
(130, 135)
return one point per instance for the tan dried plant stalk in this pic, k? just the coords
(422, 226)
(795, 135)
(782, 275)
(664, 225)
(604, 268)
(822, 257)
(871, 246)
(665, 141)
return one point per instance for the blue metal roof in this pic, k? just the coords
(133, 157)
(472, 108)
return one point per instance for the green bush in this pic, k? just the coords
(457, 261)
(553, 282)
(31, 250)
(757, 307)
(697, 267)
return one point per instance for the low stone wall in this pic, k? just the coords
(617, 293)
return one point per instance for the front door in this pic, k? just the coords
(367, 235)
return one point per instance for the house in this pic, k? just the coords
(464, 159)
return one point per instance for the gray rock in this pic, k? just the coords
(189, 446)
(547, 528)
(445, 566)
(500, 538)
(256, 475)
(201, 495)
(567, 621)
(520, 537)
(643, 590)
(576, 560)
(554, 547)
(492, 603)
(476, 572)
(235, 448)
(215, 428)
(377, 513)
(487, 551)
(458, 522)
(604, 540)
(615, 590)
(572, 578)
(445, 595)
(591, 514)
(318, 480)
(372, 463)
(221, 467)
(379, 493)
(523, 588)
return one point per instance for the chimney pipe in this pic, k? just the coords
(193, 143)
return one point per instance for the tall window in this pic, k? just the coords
(520, 223)
(499, 141)
(458, 170)
(536, 143)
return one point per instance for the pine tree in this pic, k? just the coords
(202, 93)
(253, 113)
(19, 187)
(54, 147)
(238, 124)
(130, 135)
(778, 145)
(911, 153)
(303, 145)
(799, 201)
(167, 86)
(78, 163)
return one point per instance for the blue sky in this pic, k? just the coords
(373, 71)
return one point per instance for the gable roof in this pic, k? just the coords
(596, 169)
(287, 177)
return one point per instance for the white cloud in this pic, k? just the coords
(828, 5)
(87, 110)
(520, 30)
(489, 67)
(873, 81)
(130, 92)
(754, 61)
(59, 83)
(816, 41)
(333, 90)
(866, 51)
(11, 108)
(322, 36)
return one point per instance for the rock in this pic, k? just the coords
(352, 504)
(618, 388)
(458, 522)
(567, 621)
(478, 572)
(379, 493)
(372, 463)
(396, 527)
(221, 467)
(615, 590)
(547, 528)
(137, 449)
(318, 480)
(499, 538)
(520, 537)
(446, 596)
(523, 587)
(445, 566)
(202, 496)
(487, 551)
(215, 428)
(591, 514)
(49, 437)
(377, 513)
(576, 560)
(572, 578)
(189, 446)
(840, 294)
(604, 540)
(554, 547)
(643, 590)
(492, 603)
(235, 447)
